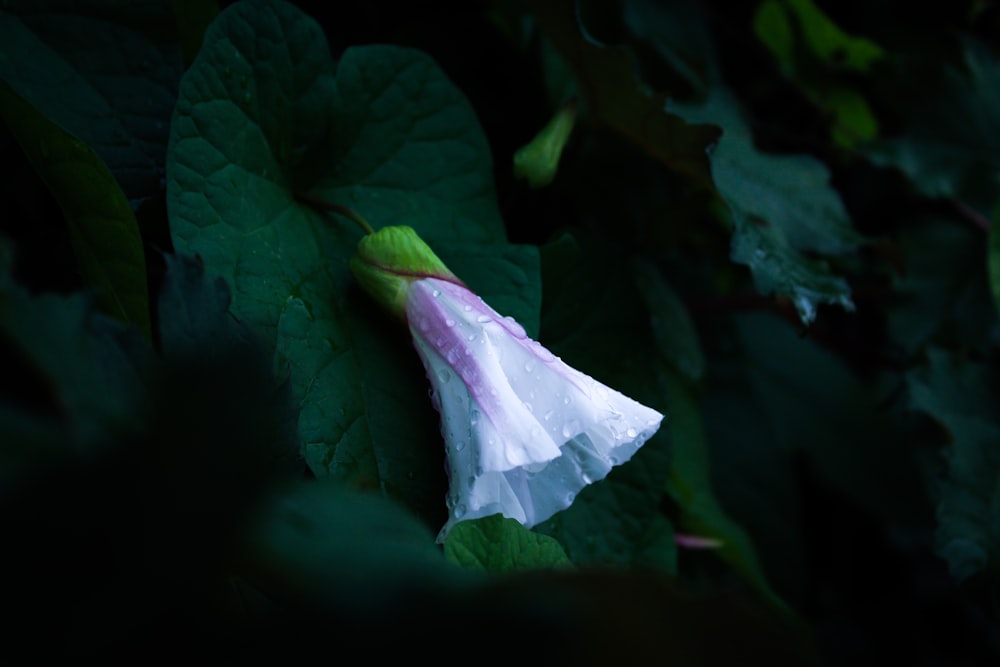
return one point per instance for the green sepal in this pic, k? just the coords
(389, 260)
(538, 161)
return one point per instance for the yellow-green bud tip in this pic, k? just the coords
(390, 260)
(538, 161)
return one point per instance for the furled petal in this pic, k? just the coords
(524, 432)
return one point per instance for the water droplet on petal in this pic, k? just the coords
(565, 400)
(459, 511)
(548, 415)
(459, 445)
(479, 471)
(529, 365)
(571, 428)
(443, 375)
(541, 352)
(527, 406)
(466, 307)
(473, 417)
(483, 319)
(472, 337)
(452, 355)
(439, 342)
(449, 322)
(514, 327)
(631, 432)
(436, 293)
(425, 324)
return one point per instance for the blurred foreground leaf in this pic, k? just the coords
(102, 226)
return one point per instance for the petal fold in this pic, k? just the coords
(524, 432)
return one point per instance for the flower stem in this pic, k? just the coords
(350, 213)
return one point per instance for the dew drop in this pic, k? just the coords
(466, 307)
(449, 322)
(479, 471)
(436, 293)
(444, 375)
(473, 417)
(548, 415)
(459, 445)
(514, 327)
(425, 324)
(439, 342)
(565, 400)
(452, 356)
(483, 319)
(631, 432)
(527, 406)
(571, 428)
(459, 511)
(529, 365)
(472, 337)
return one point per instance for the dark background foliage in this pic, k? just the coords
(795, 260)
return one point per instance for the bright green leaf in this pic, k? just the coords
(118, 63)
(498, 544)
(101, 224)
(820, 35)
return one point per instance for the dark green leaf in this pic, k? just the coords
(821, 408)
(616, 98)
(962, 396)
(674, 331)
(102, 227)
(690, 486)
(948, 145)
(118, 63)
(939, 296)
(498, 544)
(782, 207)
(993, 258)
(193, 19)
(594, 318)
(263, 115)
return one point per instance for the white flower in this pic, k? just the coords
(524, 432)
